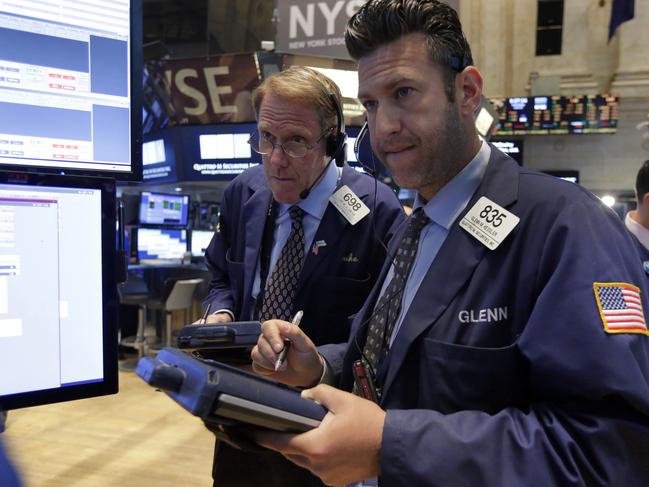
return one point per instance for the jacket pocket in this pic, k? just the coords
(457, 377)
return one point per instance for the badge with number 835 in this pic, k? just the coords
(489, 222)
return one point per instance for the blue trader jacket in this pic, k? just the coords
(503, 373)
(335, 278)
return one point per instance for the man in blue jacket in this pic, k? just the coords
(505, 343)
(346, 219)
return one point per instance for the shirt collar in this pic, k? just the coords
(637, 229)
(450, 201)
(316, 203)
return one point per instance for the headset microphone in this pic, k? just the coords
(304, 194)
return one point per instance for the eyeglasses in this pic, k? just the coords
(292, 148)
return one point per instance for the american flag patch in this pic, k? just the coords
(620, 307)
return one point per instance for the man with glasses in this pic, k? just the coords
(296, 233)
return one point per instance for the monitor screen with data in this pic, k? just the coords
(161, 244)
(70, 83)
(57, 292)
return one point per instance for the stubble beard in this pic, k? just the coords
(442, 155)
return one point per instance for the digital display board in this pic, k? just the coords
(556, 115)
(216, 152)
(70, 84)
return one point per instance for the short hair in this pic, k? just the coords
(380, 22)
(299, 84)
(642, 181)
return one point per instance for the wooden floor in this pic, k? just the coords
(138, 437)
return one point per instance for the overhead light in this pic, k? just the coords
(178, 189)
(608, 200)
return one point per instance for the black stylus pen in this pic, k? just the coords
(287, 343)
(206, 314)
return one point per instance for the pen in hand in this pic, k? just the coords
(287, 343)
(206, 314)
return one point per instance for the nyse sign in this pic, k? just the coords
(214, 90)
(317, 27)
(314, 27)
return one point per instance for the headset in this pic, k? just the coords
(336, 143)
(336, 146)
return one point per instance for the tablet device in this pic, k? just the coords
(217, 336)
(217, 392)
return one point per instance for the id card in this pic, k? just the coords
(489, 222)
(349, 205)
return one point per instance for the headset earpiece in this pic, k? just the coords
(336, 147)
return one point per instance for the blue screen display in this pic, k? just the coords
(163, 209)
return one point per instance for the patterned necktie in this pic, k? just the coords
(387, 309)
(282, 282)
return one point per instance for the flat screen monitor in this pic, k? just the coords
(161, 244)
(58, 337)
(200, 239)
(70, 87)
(163, 209)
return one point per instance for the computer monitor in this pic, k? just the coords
(200, 239)
(70, 87)
(58, 300)
(163, 209)
(161, 244)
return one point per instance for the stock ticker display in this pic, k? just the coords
(556, 115)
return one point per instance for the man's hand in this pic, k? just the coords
(303, 366)
(344, 448)
(214, 318)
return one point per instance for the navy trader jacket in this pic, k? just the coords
(335, 279)
(503, 373)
